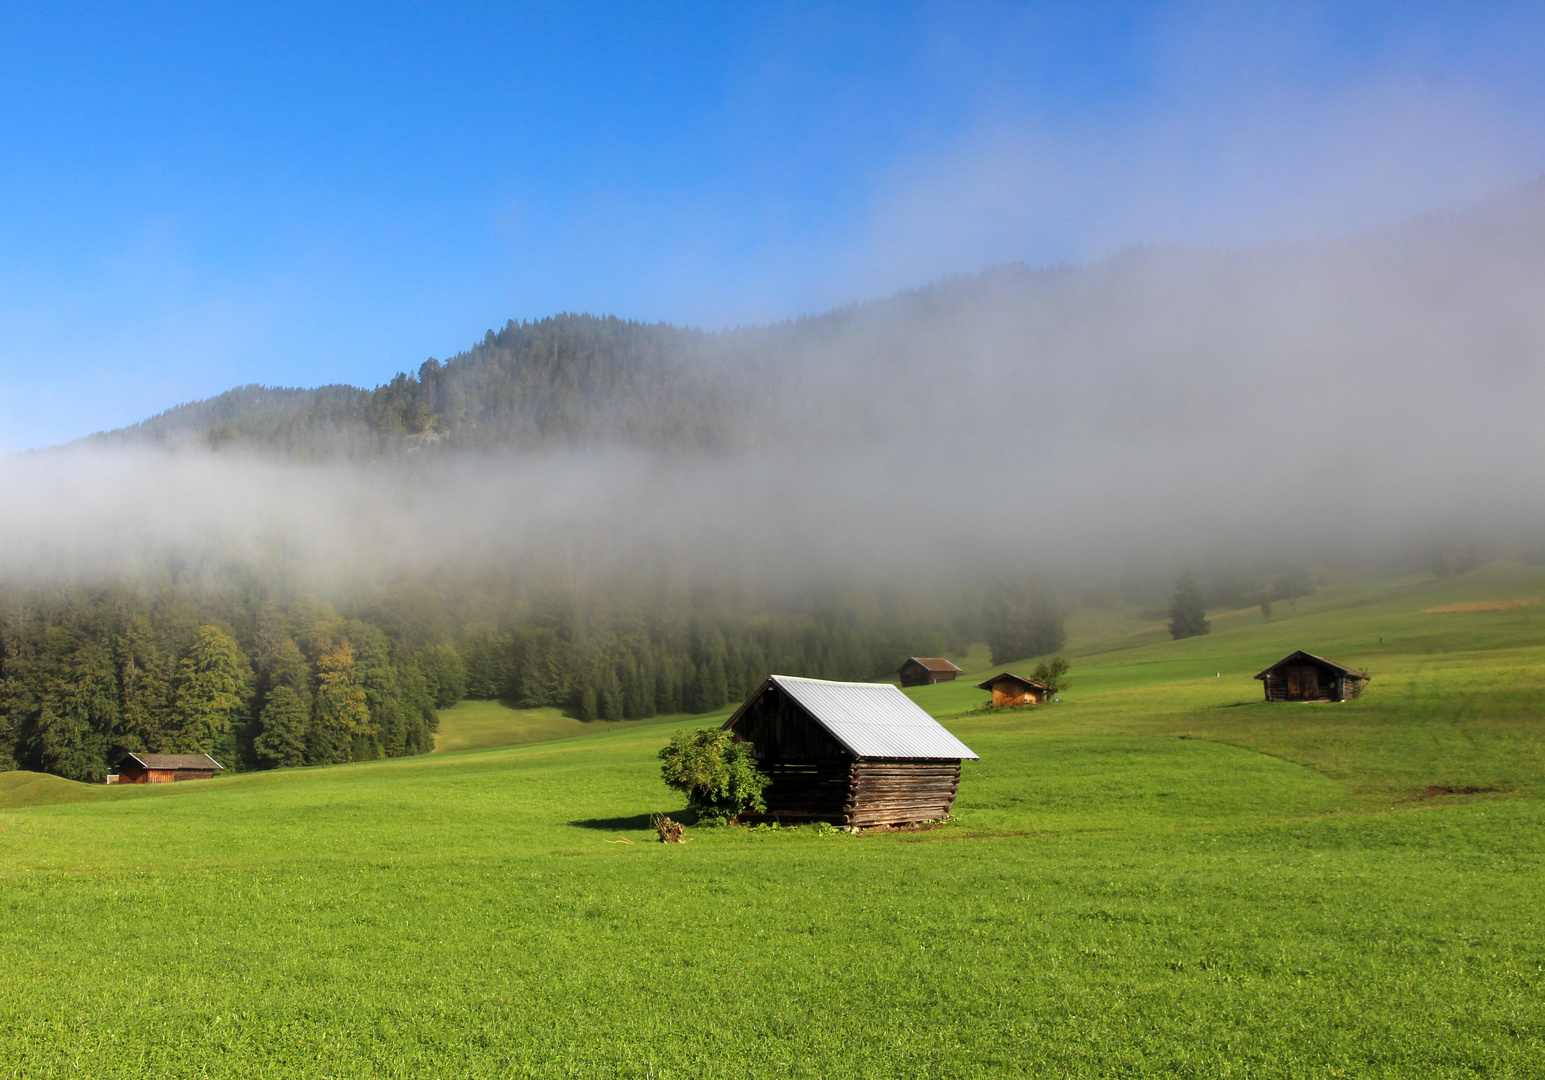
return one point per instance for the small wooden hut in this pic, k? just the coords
(853, 754)
(927, 670)
(166, 768)
(1306, 677)
(1010, 689)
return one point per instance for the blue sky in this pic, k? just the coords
(197, 196)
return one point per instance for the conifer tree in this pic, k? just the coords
(1187, 615)
(341, 711)
(1021, 620)
(281, 740)
(291, 670)
(144, 690)
(445, 674)
(209, 694)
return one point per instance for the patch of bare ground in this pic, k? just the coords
(1480, 605)
(916, 826)
(1434, 791)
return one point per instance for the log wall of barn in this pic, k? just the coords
(1330, 688)
(803, 792)
(891, 791)
(873, 791)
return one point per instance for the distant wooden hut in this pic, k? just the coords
(166, 768)
(853, 754)
(1306, 677)
(927, 670)
(1010, 689)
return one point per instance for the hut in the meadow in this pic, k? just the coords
(853, 754)
(1010, 689)
(165, 768)
(927, 670)
(1306, 677)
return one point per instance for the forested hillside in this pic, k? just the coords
(566, 380)
(577, 380)
(259, 681)
(622, 519)
(1144, 347)
(89, 675)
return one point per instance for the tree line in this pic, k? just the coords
(263, 680)
(87, 676)
(560, 381)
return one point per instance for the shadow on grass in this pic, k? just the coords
(615, 824)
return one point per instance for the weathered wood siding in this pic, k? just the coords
(891, 791)
(1009, 693)
(779, 730)
(162, 776)
(803, 792)
(1295, 684)
(870, 791)
(814, 778)
(914, 674)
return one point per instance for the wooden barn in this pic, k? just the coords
(1010, 689)
(166, 768)
(855, 754)
(927, 670)
(1306, 677)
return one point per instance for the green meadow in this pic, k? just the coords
(1161, 875)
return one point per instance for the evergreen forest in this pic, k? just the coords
(260, 680)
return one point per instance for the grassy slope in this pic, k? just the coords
(488, 725)
(1268, 897)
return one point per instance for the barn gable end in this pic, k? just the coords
(1010, 689)
(926, 671)
(1302, 676)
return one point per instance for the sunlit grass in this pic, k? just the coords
(486, 725)
(1161, 876)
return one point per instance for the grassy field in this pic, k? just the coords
(487, 725)
(1159, 876)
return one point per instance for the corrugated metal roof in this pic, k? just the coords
(873, 719)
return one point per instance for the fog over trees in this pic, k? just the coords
(624, 519)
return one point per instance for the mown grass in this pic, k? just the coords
(1157, 877)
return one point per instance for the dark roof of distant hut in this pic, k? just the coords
(1300, 657)
(174, 761)
(869, 720)
(1028, 684)
(933, 663)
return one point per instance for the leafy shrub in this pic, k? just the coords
(1052, 674)
(718, 775)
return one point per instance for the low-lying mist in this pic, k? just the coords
(1334, 402)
